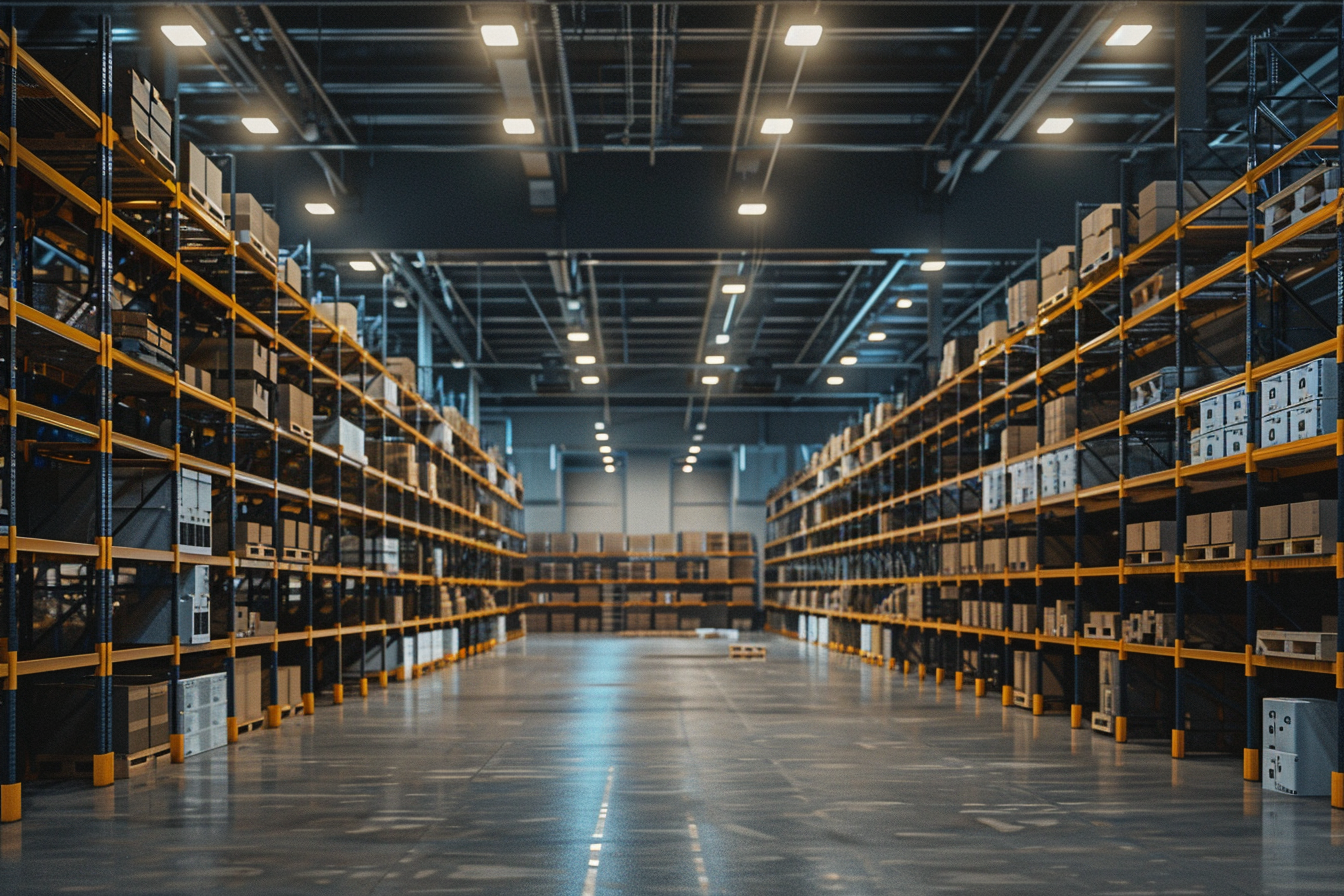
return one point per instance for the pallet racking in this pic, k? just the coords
(82, 199)
(1241, 302)
(595, 582)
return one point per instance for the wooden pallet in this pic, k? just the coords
(140, 146)
(1204, 552)
(143, 351)
(1046, 304)
(1298, 645)
(1103, 722)
(746, 652)
(300, 431)
(208, 204)
(251, 725)
(125, 766)
(1295, 547)
(137, 764)
(1098, 632)
(1150, 558)
(296, 555)
(1109, 256)
(258, 552)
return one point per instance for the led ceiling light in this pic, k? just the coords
(604, 449)
(930, 265)
(499, 35)
(260, 125)
(878, 335)
(701, 426)
(458, 363)
(695, 449)
(363, 266)
(733, 289)
(319, 208)
(714, 359)
(751, 208)
(691, 458)
(400, 301)
(722, 339)
(602, 437)
(849, 360)
(777, 126)
(903, 304)
(1129, 35)
(577, 336)
(688, 468)
(519, 126)
(835, 381)
(585, 359)
(1055, 126)
(599, 426)
(590, 380)
(697, 438)
(802, 36)
(182, 36)
(709, 380)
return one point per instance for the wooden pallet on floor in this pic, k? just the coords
(251, 725)
(746, 651)
(125, 766)
(134, 765)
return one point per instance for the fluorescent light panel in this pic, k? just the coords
(499, 35)
(849, 360)
(751, 208)
(260, 125)
(519, 126)
(803, 36)
(722, 339)
(364, 266)
(577, 336)
(709, 380)
(585, 359)
(695, 449)
(590, 380)
(932, 264)
(1129, 35)
(878, 335)
(602, 437)
(183, 36)
(319, 208)
(777, 126)
(733, 289)
(835, 381)
(1055, 126)
(714, 359)
(903, 304)
(688, 468)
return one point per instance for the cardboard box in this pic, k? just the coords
(290, 686)
(958, 354)
(248, 705)
(1159, 535)
(1312, 519)
(251, 395)
(341, 434)
(1016, 440)
(1197, 530)
(251, 358)
(665, 543)
(1106, 217)
(1056, 262)
(251, 223)
(613, 542)
(1275, 522)
(343, 315)
(1227, 527)
(403, 370)
(718, 569)
(204, 179)
(991, 335)
(294, 409)
(588, 543)
(396, 459)
(1023, 297)
(1134, 537)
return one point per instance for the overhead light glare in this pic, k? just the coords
(319, 208)
(835, 381)
(849, 360)
(1055, 126)
(751, 208)
(183, 36)
(604, 449)
(688, 468)
(930, 265)
(400, 301)
(878, 335)
(1129, 35)
(695, 449)
(903, 304)
(599, 426)
(691, 458)
(714, 359)
(602, 437)
(363, 266)
(458, 363)
(585, 359)
(260, 126)
(697, 438)
(610, 469)
(722, 339)
(499, 35)
(577, 336)
(590, 380)
(519, 126)
(701, 426)
(709, 380)
(802, 36)
(734, 289)
(777, 126)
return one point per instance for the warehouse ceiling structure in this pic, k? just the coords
(753, 205)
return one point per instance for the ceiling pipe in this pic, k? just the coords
(746, 87)
(970, 75)
(296, 61)
(566, 91)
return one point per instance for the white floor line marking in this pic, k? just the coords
(595, 848)
(701, 877)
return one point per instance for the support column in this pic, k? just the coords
(1191, 75)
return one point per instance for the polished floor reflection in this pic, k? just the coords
(592, 765)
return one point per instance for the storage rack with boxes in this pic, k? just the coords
(1107, 562)
(611, 582)
(174, 508)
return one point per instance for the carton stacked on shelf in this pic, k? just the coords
(1304, 528)
(1312, 402)
(1299, 199)
(1220, 535)
(958, 354)
(1102, 237)
(294, 410)
(1155, 388)
(136, 333)
(254, 370)
(342, 316)
(1157, 206)
(145, 121)
(990, 335)
(205, 182)
(1059, 276)
(252, 226)
(340, 434)
(1023, 297)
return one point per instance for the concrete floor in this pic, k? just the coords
(586, 765)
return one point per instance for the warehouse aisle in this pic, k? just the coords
(588, 765)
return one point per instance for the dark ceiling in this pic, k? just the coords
(914, 135)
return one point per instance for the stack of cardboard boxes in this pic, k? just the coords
(1058, 277)
(205, 182)
(1102, 236)
(145, 121)
(958, 354)
(252, 226)
(255, 369)
(1023, 297)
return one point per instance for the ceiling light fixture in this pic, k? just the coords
(878, 335)
(599, 425)
(931, 265)
(722, 339)
(835, 381)
(611, 469)
(733, 289)
(688, 468)
(400, 301)
(1129, 35)
(601, 436)
(519, 126)
(499, 35)
(585, 359)
(577, 336)
(260, 125)
(903, 304)
(751, 208)
(363, 266)
(849, 360)
(777, 126)
(590, 380)
(691, 458)
(714, 359)
(709, 380)
(697, 438)
(319, 208)
(701, 426)
(802, 36)
(182, 36)
(695, 449)
(458, 363)
(604, 449)
(1055, 126)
